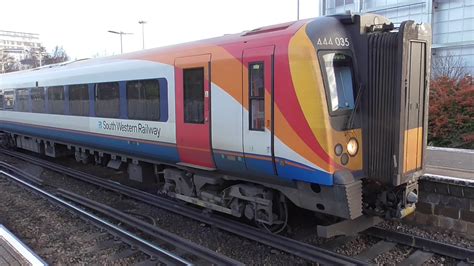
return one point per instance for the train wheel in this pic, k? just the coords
(280, 219)
(6, 141)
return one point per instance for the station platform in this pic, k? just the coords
(456, 163)
(15, 252)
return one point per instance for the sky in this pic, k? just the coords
(81, 26)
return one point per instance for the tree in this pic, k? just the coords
(8, 63)
(449, 66)
(34, 57)
(58, 55)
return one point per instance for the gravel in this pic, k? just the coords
(434, 233)
(249, 252)
(356, 246)
(302, 231)
(238, 248)
(395, 256)
(438, 260)
(53, 233)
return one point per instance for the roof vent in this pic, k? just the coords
(277, 27)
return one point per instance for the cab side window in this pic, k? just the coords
(257, 96)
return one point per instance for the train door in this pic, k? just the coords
(258, 120)
(193, 134)
(416, 92)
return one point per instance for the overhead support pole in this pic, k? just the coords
(119, 33)
(142, 22)
(298, 10)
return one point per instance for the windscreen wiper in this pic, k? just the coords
(350, 121)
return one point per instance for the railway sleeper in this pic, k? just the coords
(261, 200)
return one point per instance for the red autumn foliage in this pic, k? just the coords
(451, 113)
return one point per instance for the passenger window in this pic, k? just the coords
(1, 101)
(79, 100)
(56, 100)
(143, 99)
(257, 96)
(37, 100)
(9, 100)
(194, 95)
(107, 99)
(22, 98)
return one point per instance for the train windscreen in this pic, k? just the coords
(340, 82)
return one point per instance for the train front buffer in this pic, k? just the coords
(394, 68)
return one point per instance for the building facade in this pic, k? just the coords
(452, 23)
(17, 45)
(18, 41)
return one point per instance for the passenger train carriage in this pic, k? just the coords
(329, 114)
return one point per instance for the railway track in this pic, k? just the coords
(425, 248)
(288, 245)
(179, 251)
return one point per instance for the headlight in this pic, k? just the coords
(352, 147)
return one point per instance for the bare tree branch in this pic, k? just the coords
(9, 63)
(35, 57)
(449, 66)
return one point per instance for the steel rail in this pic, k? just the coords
(149, 248)
(161, 234)
(425, 244)
(288, 245)
(10, 168)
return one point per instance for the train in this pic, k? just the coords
(327, 114)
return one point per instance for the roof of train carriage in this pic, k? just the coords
(114, 65)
